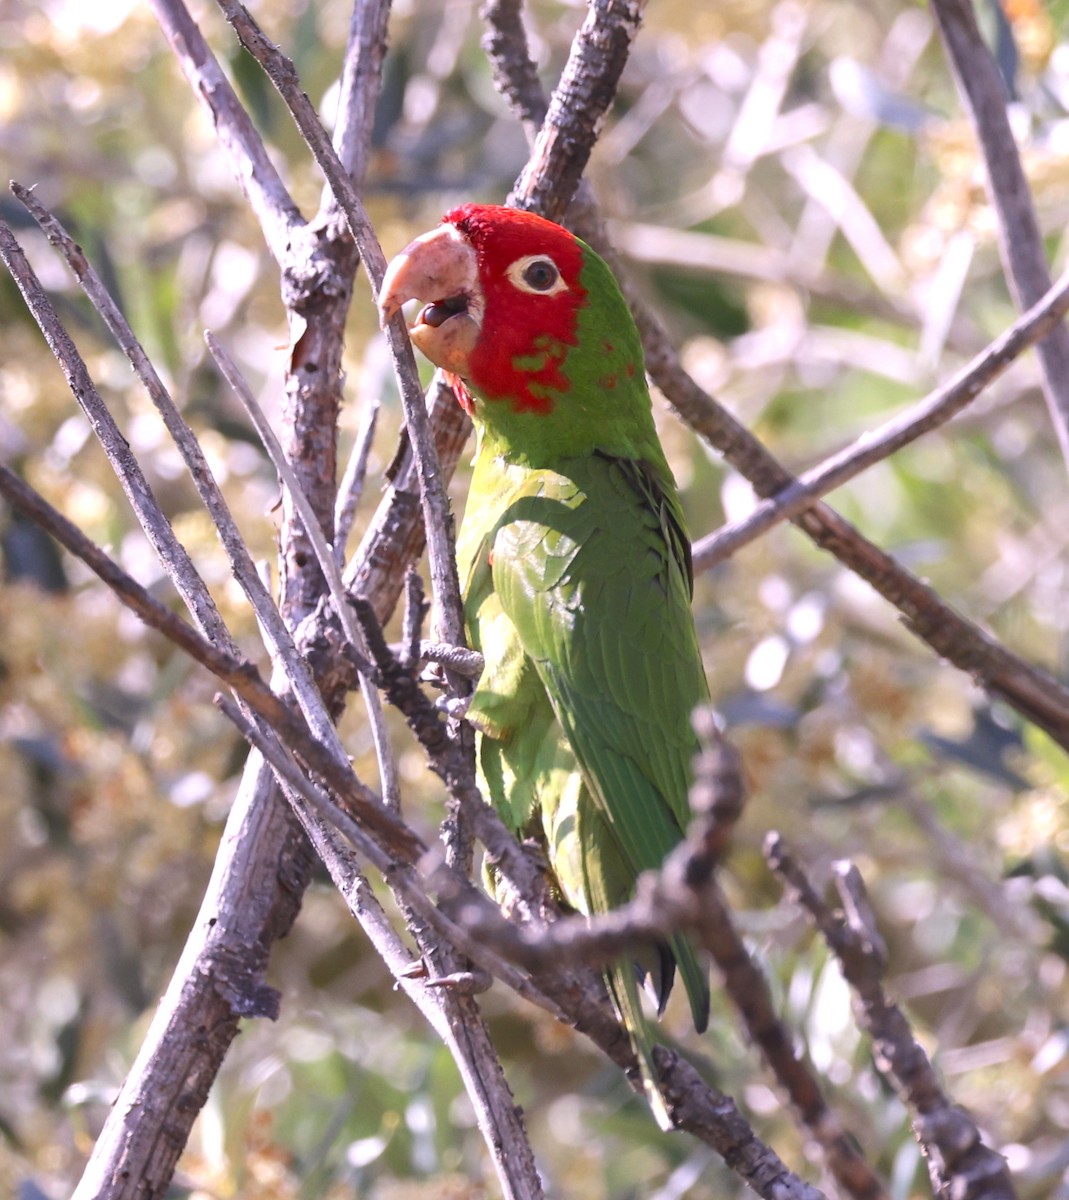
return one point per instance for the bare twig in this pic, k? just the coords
(325, 555)
(687, 885)
(395, 534)
(400, 841)
(279, 639)
(445, 1007)
(409, 881)
(515, 77)
(351, 487)
(457, 658)
(251, 164)
(712, 1117)
(440, 543)
(958, 1161)
(578, 106)
(361, 82)
(170, 551)
(872, 447)
(1020, 239)
(749, 991)
(412, 623)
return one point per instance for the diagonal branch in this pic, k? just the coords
(251, 164)
(872, 447)
(1020, 239)
(170, 551)
(438, 520)
(325, 555)
(958, 1161)
(578, 105)
(279, 640)
(1032, 692)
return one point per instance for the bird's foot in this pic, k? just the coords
(454, 707)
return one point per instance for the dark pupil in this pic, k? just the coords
(540, 275)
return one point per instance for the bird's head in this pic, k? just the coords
(502, 291)
(531, 325)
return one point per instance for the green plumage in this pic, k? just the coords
(575, 562)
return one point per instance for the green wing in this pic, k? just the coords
(590, 566)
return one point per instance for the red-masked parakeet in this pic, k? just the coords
(575, 564)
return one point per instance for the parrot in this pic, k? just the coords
(575, 567)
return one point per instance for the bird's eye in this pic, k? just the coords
(540, 275)
(537, 274)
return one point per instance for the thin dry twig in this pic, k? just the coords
(1020, 239)
(351, 487)
(170, 551)
(280, 641)
(250, 162)
(872, 447)
(515, 77)
(409, 881)
(958, 1161)
(360, 83)
(578, 105)
(325, 556)
(438, 518)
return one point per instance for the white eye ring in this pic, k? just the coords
(536, 274)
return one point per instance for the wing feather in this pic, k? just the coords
(588, 565)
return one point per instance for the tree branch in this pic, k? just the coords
(578, 105)
(958, 1161)
(170, 551)
(926, 415)
(1032, 692)
(1020, 239)
(437, 517)
(249, 161)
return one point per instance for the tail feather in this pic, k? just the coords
(623, 987)
(695, 976)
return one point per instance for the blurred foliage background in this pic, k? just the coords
(798, 194)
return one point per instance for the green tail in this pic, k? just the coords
(695, 976)
(623, 987)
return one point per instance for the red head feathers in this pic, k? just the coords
(505, 291)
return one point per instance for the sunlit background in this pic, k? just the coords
(797, 194)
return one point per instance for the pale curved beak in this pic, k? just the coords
(440, 269)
